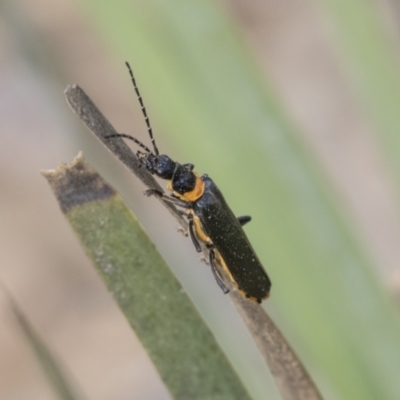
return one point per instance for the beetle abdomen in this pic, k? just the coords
(222, 227)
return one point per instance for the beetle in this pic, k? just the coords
(211, 221)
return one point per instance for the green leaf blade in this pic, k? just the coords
(180, 345)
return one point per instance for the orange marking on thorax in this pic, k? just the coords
(194, 194)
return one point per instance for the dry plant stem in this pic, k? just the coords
(291, 377)
(98, 124)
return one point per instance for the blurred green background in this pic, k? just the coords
(292, 108)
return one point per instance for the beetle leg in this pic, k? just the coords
(216, 273)
(204, 259)
(153, 192)
(177, 202)
(173, 200)
(181, 213)
(243, 220)
(183, 231)
(193, 236)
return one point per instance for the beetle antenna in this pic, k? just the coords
(138, 142)
(146, 118)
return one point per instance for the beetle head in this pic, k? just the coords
(160, 165)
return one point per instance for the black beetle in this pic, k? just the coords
(211, 221)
